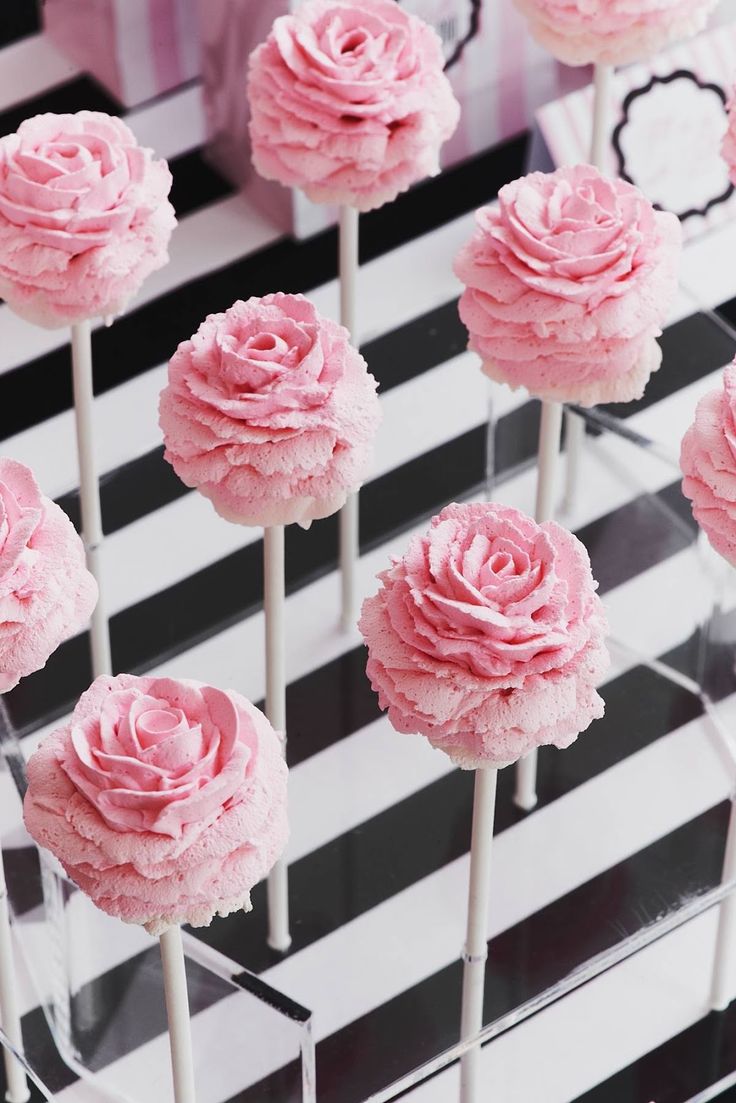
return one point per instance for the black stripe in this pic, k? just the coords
(18, 19)
(691, 349)
(196, 183)
(81, 94)
(695, 1059)
(148, 336)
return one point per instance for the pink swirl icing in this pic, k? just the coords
(487, 636)
(270, 412)
(708, 462)
(84, 217)
(349, 102)
(612, 32)
(164, 800)
(46, 592)
(567, 281)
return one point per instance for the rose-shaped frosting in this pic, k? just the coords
(612, 32)
(270, 412)
(165, 801)
(568, 280)
(46, 592)
(84, 217)
(708, 462)
(487, 637)
(349, 101)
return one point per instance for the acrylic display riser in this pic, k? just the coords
(622, 855)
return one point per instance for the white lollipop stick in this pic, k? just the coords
(550, 425)
(476, 941)
(349, 514)
(274, 603)
(575, 427)
(724, 960)
(177, 1013)
(89, 490)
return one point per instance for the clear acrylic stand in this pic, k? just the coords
(93, 998)
(645, 874)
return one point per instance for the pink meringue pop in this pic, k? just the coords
(164, 800)
(270, 412)
(612, 32)
(487, 637)
(46, 592)
(84, 217)
(708, 462)
(349, 102)
(567, 282)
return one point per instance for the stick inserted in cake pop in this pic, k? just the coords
(599, 143)
(89, 490)
(487, 637)
(475, 954)
(177, 1014)
(348, 232)
(274, 607)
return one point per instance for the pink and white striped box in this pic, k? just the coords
(499, 74)
(136, 49)
(668, 119)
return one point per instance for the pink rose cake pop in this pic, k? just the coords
(612, 32)
(349, 102)
(708, 462)
(84, 217)
(568, 280)
(46, 592)
(270, 412)
(165, 801)
(487, 637)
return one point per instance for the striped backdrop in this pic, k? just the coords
(631, 820)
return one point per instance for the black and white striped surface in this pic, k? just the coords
(631, 820)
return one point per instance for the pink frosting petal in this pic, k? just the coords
(708, 462)
(183, 825)
(84, 217)
(567, 282)
(349, 101)
(487, 637)
(612, 32)
(46, 592)
(270, 412)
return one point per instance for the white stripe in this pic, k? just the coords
(601, 1028)
(30, 67)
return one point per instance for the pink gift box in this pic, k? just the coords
(498, 73)
(136, 49)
